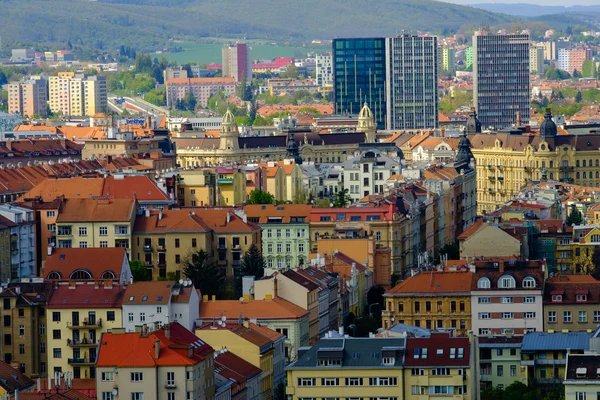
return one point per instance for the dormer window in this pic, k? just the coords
(529, 282)
(506, 282)
(557, 298)
(581, 373)
(389, 361)
(483, 283)
(581, 298)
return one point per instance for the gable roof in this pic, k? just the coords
(96, 210)
(583, 367)
(96, 261)
(439, 351)
(434, 282)
(12, 379)
(283, 211)
(152, 292)
(87, 296)
(277, 308)
(235, 368)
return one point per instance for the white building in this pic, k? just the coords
(564, 59)
(154, 304)
(324, 71)
(22, 243)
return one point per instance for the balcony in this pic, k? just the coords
(162, 263)
(81, 361)
(147, 247)
(85, 325)
(81, 343)
(566, 168)
(222, 246)
(549, 381)
(148, 263)
(545, 361)
(236, 263)
(170, 385)
(236, 247)
(161, 247)
(223, 181)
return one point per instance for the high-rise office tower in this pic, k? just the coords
(501, 79)
(411, 82)
(359, 75)
(237, 62)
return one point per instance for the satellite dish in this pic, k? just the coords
(114, 392)
(223, 318)
(181, 281)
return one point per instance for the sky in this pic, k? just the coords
(538, 2)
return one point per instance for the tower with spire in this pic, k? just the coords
(228, 137)
(473, 124)
(548, 127)
(293, 150)
(366, 124)
(464, 156)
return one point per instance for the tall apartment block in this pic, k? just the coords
(411, 82)
(324, 69)
(77, 94)
(448, 62)
(469, 57)
(359, 76)
(29, 97)
(501, 79)
(237, 62)
(536, 60)
(572, 60)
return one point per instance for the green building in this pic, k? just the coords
(285, 233)
(469, 58)
(499, 360)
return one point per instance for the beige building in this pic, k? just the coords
(77, 94)
(571, 303)
(536, 60)
(484, 240)
(120, 145)
(29, 97)
(167, 364)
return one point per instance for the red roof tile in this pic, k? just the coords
(87, 296)
(96, 261)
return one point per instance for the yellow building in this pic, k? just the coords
(196, 188)
(569, 303)
(246, 343)
(431, 300)
(5, 256)
(77, 315)
(122, 145)
(77, 94)
(581, 378)
(96, 222)
(475, 242)
(586, 239)
(507, 161)
(352, 368)
(231, 186)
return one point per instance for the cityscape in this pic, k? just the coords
(400, 203)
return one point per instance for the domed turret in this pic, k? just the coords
(473, 124)
(366, 124)
(464, 154)
(293, 150)
(228, 138)
(548, 127)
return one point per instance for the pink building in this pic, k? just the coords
(201, 88)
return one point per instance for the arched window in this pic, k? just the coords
(577, 163)
(80, 274)
(507, 282)
(551, 164)
(529, 282)
(54, 275)
(108, 275)
(483, 283)
(584, 163)
(597, 163)
(584, 174)
(577, 175)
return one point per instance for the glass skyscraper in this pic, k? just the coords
(501, 79)
(412, 72)
(359, 76)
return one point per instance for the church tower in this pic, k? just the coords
(366, 124)
(473, 124)
(228, 138)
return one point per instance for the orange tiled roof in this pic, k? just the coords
(96, 261)
(285, 211)
(434, 283)
(472, 229)
(96, 210)
(191, 81)
(152, 292)
(86, 296)
(259, 309)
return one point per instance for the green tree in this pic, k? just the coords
(3, 78)
(301, 196)
(139, 272)
(291, 72)
(556, 74)
(259, 197)
(204, 273)
(189, 101)
(342, 199)
(588, 69)
(252, 264)
(262, 121)
(578, 97)
(156, 97)
(575, 217)
(143, 63)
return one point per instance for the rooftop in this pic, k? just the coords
(152, 292)
(541, 341)
(440, 349)
(87, 296)
(96, 210)
(434, 282)
(276, 308)
(11, 379)
(99, 263)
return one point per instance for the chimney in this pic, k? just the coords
(204, 298)
(159, 215)
(157, 349)
(109, 159)
(518, 118)
(213, 298)
(275, 287)
(167, 331)
(147, 212)
(501, 266)
(228, 217)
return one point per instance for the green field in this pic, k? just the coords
(204, 53)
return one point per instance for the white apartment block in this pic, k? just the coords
(324, 70)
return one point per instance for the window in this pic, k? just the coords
(121, 230)
(142, 317)
(171, 379)
(417, 307)
(194, 242)
(391, 381)
(596, 316)
(417, 371)
(56, 316)
(582, 317)
(307, 381)
(485, 315)
(50, 214)
(82, 231)
(529, 315)
(136, 376)
(21, 330)
(567, 316)
(107, 396)
(177, 243)
(330, 381)
(499, 352)
(580, 396)
(269, 233)
(83, 245)
(21, 349)
(56, 333)
(278, 233)
(551, 316)
(177, 259)
(506, 300)
(500, 370)
(507, 315)
(288, 247)
(301, 247)
(529, 299)
(529, 282)
(137, 396)
(378, 236)
(107, 377)
(513, 370)
(103, 244)
(484, 300)
(42, 329)
(483, 283)
(354, 381)
(453, 352)
(461, 352)
(557, 298)
(110, 315)
(103, 231)
(57, 353)
(581, 297)
(440, 371)
(506, 282)
(130, 317)
(43, 348)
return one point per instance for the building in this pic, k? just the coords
(499, 360)
(439, 365)
(501, 79)
(237, 62)
(290, 86)
(359, 69)
(324, 71)
(358, 368)
(151, 305)
(507, 297)
(22, 242)
(24, 326)
(544, 356)
(67, 264)
(549, 50)
(570, 303)
(368, 172)
(572, 59)
(166, 364)
(77, 94)
(120, 145)
(581, 376)
(77, 315)
(432, 300)
(448, 61)
(411, 82)
(469, 57)
(285, 233)
(13, 381)
(474, 242)
(274, 313)
(247, 342)
(536, 60)
(96, 222)
(29, 97)
(245, 377)
(201, 88)
(175, 73)
(564, 59)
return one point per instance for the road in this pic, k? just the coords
(137, 105)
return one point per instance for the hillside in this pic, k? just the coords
(534, 10)
(149, 24)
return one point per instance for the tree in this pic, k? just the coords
(260, 197)
(576, 74)
(204, 273)
(139, 272)
(342, 199)
(451, 250)
(252, 264)
(3, 78)
(575, 217)
(291, 72)
(156, 97)
(189, 101)
(556, 74)
(578, 97)
(301, 196)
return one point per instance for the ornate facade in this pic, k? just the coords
(230, 147)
